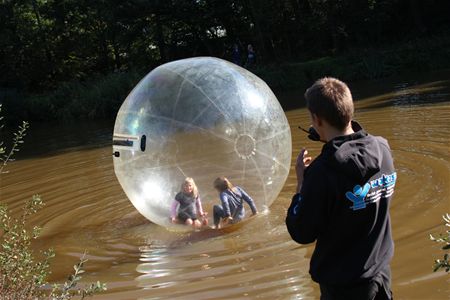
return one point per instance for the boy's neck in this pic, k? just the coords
(332, 132)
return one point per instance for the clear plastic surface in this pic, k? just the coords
(203, 118)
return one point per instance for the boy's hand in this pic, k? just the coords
(303, 162)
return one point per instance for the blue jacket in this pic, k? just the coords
(232, 203)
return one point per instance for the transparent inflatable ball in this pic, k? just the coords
(201, 118)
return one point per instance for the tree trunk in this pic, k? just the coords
(42, 36)
(160, 39)
(256, 21)
(415, 8)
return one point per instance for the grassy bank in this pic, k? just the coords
(97, 98)
(358, 64)
(101, 96)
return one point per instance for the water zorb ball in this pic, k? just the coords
(201, 118)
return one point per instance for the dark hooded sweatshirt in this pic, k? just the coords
(344, 206)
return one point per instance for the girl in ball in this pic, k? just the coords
(231, 209)
(187, 206)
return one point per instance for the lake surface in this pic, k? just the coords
(86, 209)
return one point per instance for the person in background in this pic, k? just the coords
(342, 200)
(236, 55)
(251, 56)
(187, 206)
(231, 209)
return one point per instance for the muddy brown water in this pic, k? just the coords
(86, 209)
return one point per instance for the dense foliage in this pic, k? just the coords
(45, 42)
(72, 59)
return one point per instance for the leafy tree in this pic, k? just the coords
(47, 43)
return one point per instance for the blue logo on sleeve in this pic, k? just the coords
(358, 195)
(296, 205)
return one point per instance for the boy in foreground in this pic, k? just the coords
(342, 200)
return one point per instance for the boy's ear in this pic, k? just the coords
(317, 119)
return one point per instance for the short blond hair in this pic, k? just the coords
(331, 99)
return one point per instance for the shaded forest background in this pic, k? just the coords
(78, 58)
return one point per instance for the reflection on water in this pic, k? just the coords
(236, 266)
(86, 209)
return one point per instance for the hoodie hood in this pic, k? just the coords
(357, 155)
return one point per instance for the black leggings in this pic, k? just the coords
(183, 216)
(218, 213)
